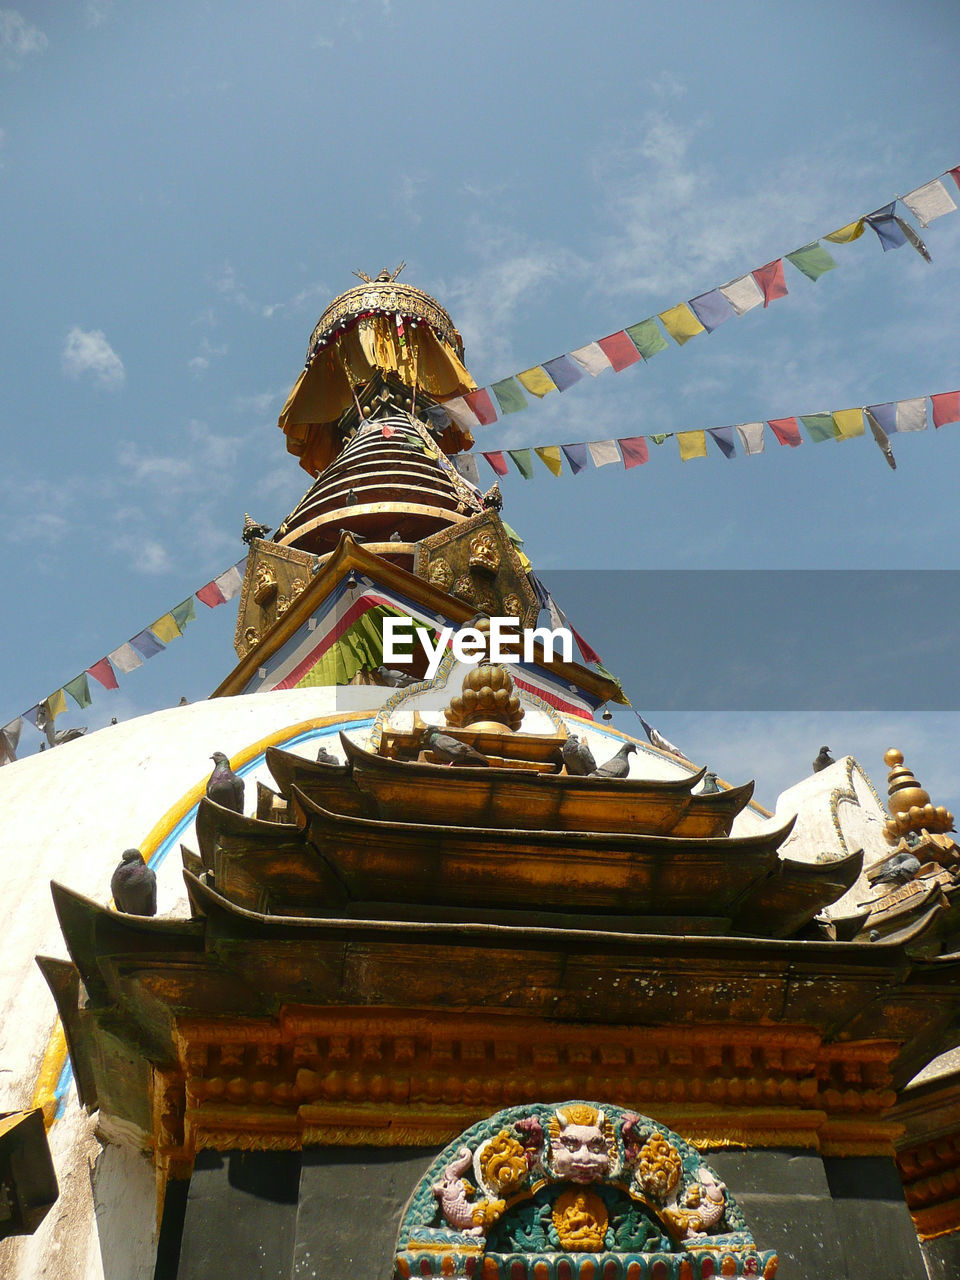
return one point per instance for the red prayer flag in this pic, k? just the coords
(388, 431)
(771, 281)
(211, 595)
(786, 430)
(634, 450)
(619, 350)
(946, 406)
(498, 462)
(955, 174)
(103, 672)
(482, 406)
(589, 655)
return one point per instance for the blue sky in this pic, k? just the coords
(184, 187)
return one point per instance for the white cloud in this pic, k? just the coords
(315, 293)
(145, 554)
(96, 12)
(88, 351)
(18, 38)
(201, 361)
(230, 288)
(188, 469)
(666, 85)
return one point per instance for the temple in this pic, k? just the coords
(470, 984)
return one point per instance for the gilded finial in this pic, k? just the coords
(909, 804)
(385, 276)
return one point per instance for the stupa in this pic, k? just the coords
(443, 1000)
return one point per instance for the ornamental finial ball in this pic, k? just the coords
(892, 757)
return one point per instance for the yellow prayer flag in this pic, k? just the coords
(693, 444)
(524, 559)
(549, 455)
(166, 629)
(852, 231)
(681, 324)
(55, 704)
(537, 381)
(849, 423)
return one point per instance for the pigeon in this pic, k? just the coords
(823, 761)
(578, 757)
(134, 885)
(325, 757)
(395, 536)
(617, 766)
(394, 678)
(223, 785)
(452, 751)
(352, 498)
(710, 787)
(900, 869)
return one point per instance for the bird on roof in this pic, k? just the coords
(823, 761)
(394, 678)
(900, 869)
(134, 885)
(326, 757)
(452, 751)
(710, 786)
(617, 766)
(395, 536)
(578, 757)
(223, 785)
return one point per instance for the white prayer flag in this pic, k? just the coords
(461, 412)
(743, 294)
(751, 436)
(592, 358)
(229, 582)
(930, 201)
(466, 464)
(126, 659)
(603, 451)
(912, 414)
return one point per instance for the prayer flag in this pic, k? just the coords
(813, 260)
(751, 437)
(576, 455)
(786, 431)
(537, 381)
(634, 450)
(771, 281)
(659, 437)
(211, 595)
(229, 582)
(954, 174)
(681, 323)
(852, 231)
(104, 674)
(11, 736)
(619, 350)
(388, 431)
(723, 439)
(125, 659)
(509, 396)
(482, 406)
(946, 408)
(165, 628)
(885, 414)
(146, 644)
(647, 338)
(743, 294)
(591, 358)
(79, 690)
(466, 464)
(33, 716)
(540, 591)
(930, 201)
(587, 652)
(55, 705)
(848, 423)
(523, 460)
(884, 223)
(711, 309)
(498, 462)
(603, 452)
(563, 371)
(438, 416)
(460, 412)
(658, 740)
(912, 414)
(914, 239)
(183, 613)
(881, 439)
(819, 426)
(693, 444)
(549, 455)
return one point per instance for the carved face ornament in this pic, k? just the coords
(580, 1151)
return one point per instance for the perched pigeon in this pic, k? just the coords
(394, 678)
(900, 869)
(578, 757)
(452, 751)
(395, 536)
(823, 761)
(710, 786)
(134, 885)
(325, 757)
(617, 766)
(223, 785)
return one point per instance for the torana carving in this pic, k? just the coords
(575, 1190)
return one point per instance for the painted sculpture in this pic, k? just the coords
(572, 1192)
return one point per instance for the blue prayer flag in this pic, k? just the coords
(723, 439)
(885, 414)
(563, 371)
(576, 455)
(885, 223)
(711, 309)
(146, 644)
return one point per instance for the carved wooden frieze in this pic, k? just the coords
(275, 576)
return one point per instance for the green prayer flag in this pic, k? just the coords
(524, 460)
(820, 426)
(184, 613)
(657, 439)
(813, 260)
(79, 690)
(512, 534)
(509, 395)
(647, 338)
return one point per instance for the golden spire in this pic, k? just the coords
(910, 807)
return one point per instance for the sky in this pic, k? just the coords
(184, 187)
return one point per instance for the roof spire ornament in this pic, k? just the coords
(911, 810)
(385, 276)
(253, 529)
